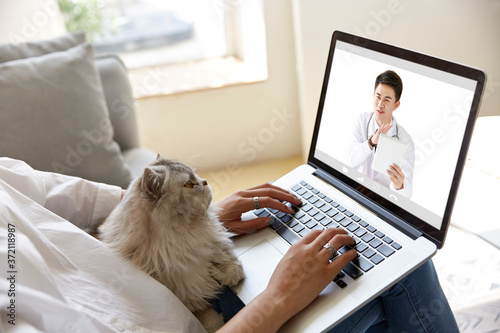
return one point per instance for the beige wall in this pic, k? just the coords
(228, 127)
(463, 31)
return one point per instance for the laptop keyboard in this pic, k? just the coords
(319, 212)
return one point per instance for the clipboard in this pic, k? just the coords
(389, 151)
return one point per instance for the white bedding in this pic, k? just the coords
(59, 278)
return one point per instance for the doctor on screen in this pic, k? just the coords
(368, 128)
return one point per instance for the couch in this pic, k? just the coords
(66, 110)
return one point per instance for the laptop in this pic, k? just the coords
(396, 230)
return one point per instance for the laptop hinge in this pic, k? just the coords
(381, 212)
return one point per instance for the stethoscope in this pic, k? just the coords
(368, 125)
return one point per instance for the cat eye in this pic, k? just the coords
(189, 184)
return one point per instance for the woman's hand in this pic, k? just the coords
(305, 270)
(300, 276)
(270, 196)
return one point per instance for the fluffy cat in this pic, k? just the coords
(167, 227)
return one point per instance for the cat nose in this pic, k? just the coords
(203, 182)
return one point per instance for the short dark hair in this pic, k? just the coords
(391, 79)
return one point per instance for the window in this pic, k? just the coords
(171, 46)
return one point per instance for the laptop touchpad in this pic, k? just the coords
(259, 263)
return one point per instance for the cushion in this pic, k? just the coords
(9, 52)
(120, 100)
(53, 116)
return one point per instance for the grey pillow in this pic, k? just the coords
(53, 115)
(120, 100)
(9, 52)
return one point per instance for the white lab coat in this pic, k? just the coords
(360, 156)
(62, 279)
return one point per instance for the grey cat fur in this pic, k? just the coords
(167, 227)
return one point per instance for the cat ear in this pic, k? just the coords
(152, 182)
(158, 156)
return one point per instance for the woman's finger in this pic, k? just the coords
(243, 227)
(330, 249)
(327, 235)
(272, 192)
(268, 202)
(339, 262)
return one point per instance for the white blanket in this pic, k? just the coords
(58, 278)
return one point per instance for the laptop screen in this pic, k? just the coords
(383, 106)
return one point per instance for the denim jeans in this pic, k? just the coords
(414, 304)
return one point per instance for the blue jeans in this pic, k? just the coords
(415, 304)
